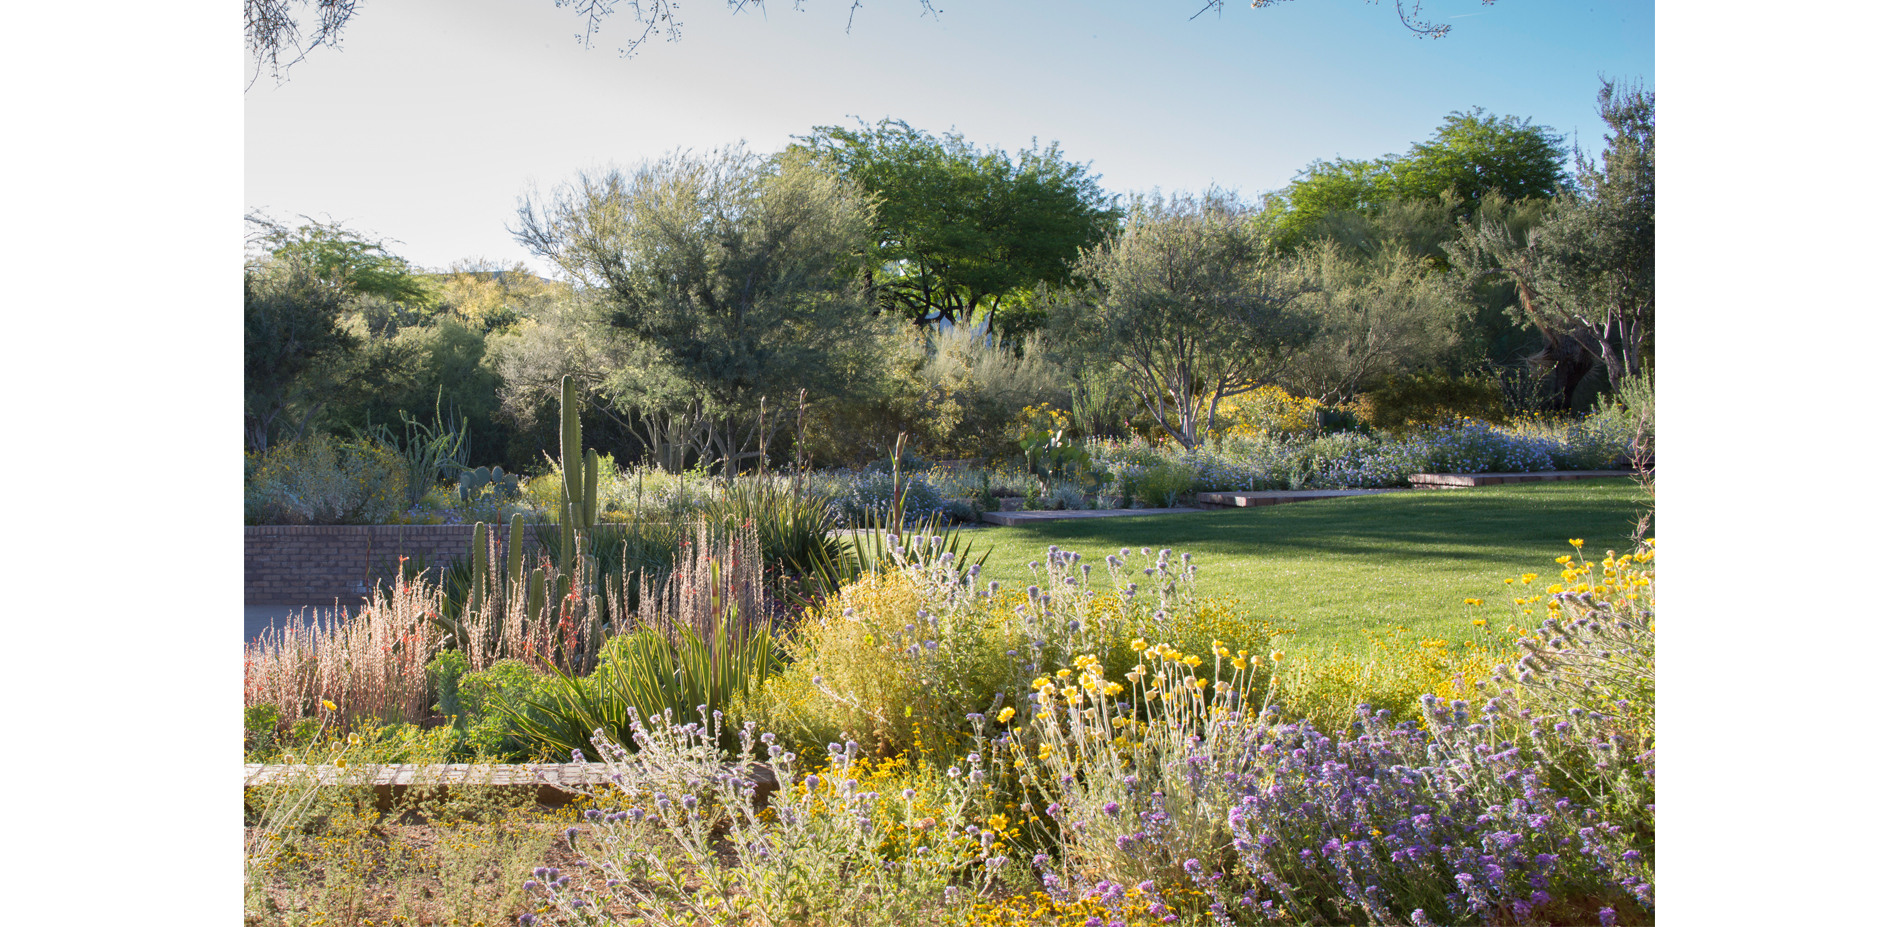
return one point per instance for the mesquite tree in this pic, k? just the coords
(728, 276)
(1186, 302)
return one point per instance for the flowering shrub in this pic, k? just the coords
(1266, 411)
(1348, 460)
(1537, 807)
(911, 655)
(692, 840)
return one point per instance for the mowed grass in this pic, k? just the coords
(1335, 567)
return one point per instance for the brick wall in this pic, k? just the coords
(303, 565)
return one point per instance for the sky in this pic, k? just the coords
(436, 116)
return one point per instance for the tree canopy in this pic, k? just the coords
(1185, 303)
(302, 346)
(1587, 272)
(726, 277)
(959, 229)
(1473, 153)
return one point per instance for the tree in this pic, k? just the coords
(1410, 19)
(342, 258)
(1375, 316)
(1185, 304)
(959, 230)
(726, 277)
(306, 344)
(273, 34)
(1588, 271)
(1472, 154)
(292, 326)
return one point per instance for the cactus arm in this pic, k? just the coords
(515, 529)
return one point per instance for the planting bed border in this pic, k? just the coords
(554, 784)
(296, 565)
(1468, 480)
(1281, 497)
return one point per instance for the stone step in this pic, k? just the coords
(1280, 497)
(1467, 480)
(1014, 519)
(553, 783)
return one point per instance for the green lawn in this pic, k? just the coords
(1336, 566)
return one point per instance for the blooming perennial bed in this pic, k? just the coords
(1174, 791)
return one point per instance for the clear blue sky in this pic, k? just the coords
(436, 115)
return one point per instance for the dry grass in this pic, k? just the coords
(458, 861)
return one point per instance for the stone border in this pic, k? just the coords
(1468, 480)
(1282, 497)
(554, 784)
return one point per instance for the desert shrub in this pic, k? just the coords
(1470, 446)
(1164, 484)
(907, 657)
(1413, 400)
(641, 493)
(694, 841)
(890, 651)
(470, 701)
(974, 389)
(865, 496)
(318, 480)
(1619, 431)
(1269, 410)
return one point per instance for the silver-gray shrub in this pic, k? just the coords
(695, 840)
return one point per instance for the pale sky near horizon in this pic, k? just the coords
(436, 116)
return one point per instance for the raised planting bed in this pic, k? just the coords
(1281, 497)
(553, 784)
(1468, 480)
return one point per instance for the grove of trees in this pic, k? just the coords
(883, 279)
